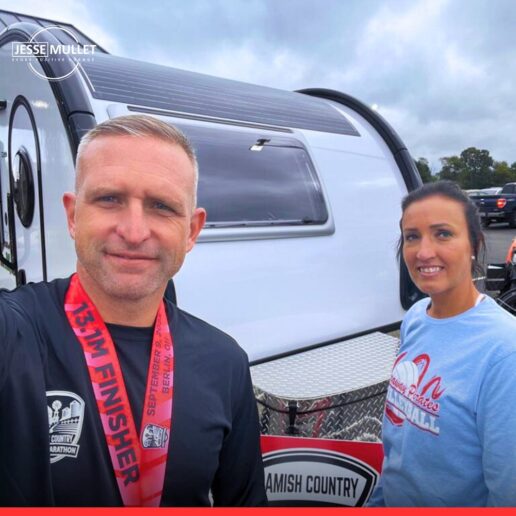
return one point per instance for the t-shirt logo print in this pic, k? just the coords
(154, 436)
(65, 419)
(413, 398)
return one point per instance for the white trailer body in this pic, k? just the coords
(294, 255)
(297, 260)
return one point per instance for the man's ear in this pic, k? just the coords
(196, 224)
(69, 200)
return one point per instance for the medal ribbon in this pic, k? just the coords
(139, 463)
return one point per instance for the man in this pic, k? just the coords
(109, 394)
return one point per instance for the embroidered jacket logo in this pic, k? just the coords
(65, 418)
(411, 397)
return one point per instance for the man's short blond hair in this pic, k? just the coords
(141, 125)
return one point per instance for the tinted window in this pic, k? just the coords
(255, 179)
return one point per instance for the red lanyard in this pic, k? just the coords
(139, 464)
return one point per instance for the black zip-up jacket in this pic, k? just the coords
(44, 384)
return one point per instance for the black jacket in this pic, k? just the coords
(214, 441)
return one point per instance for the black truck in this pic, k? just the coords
(498, 208)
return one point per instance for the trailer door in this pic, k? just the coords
(22, 242)
(7, 266)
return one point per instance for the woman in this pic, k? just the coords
(449, 430)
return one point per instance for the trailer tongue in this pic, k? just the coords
(328, 404)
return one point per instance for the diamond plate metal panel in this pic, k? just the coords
(335, 392)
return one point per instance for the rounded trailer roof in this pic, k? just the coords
(160, 87)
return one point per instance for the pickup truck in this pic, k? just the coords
(498, 208)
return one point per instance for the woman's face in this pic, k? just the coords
(437, 248)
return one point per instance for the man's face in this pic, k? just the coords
(132, 217)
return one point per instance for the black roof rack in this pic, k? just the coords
(10, 17)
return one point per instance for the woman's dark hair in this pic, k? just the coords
(451, 190)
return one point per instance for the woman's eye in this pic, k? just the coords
(409, 237)
(444, 233)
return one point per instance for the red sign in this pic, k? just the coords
(319, 472)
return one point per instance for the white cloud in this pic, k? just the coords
(441, 73)
(401, 25)
(67, 11)
(279, 68)
(460, 67)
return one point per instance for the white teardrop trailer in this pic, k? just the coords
(297, 260)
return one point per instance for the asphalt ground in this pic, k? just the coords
(498, 238)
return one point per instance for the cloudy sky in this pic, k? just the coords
(442, 72)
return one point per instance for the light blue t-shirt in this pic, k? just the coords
(449, 429)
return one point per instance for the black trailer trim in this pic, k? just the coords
(409, 293)
(22, 101)
(399, 150)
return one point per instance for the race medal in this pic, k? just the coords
(138, 463)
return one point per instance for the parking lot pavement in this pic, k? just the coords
(498, 238)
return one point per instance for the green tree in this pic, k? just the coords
(478, 168)
(475, 168)
(513, 172)
(424, 170)
(502, 174)
(452, 168)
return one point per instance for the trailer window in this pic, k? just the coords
(255, 179)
